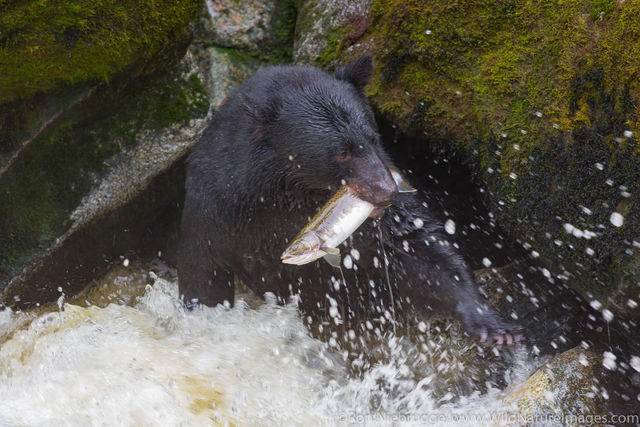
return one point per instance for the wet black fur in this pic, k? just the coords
(277, 149)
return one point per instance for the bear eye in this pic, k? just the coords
(344, 156)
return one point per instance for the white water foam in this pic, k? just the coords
(158, 364)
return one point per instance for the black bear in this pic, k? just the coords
(275, 151)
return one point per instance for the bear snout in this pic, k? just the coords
(374, 183)
(384, 190)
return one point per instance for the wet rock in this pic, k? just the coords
(562, 391)
(101, 173)
(22, 122)
(123, 284)
(91, 163)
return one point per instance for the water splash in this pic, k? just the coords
(156, 363)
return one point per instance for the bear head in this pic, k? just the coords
(323, 131)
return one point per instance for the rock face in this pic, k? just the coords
(541, 101)
(93, 171)
(91, 162)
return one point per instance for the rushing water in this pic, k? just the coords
(145, 360)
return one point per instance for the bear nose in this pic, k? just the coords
(374, 183)
(384, 189)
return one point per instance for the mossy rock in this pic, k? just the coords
(326, 29)
(46, 193)
(106, 177)
(542, 101)
(47, 45)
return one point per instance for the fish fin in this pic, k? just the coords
(333, 256)
(405, 187)
(402, 184)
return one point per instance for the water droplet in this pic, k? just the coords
(333, 311)
(616, 219)
(348, 262)
(609, 360)
(583, 360)
(368, 325)
(450, 226)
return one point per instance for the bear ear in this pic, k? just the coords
(357, 72)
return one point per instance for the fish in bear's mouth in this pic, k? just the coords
(335, 222)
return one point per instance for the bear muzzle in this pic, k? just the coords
(376, 186)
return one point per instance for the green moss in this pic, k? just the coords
(284, 18)
(602, 8)
(45, 45)
(334, 46)
(305, 18)
(58, 168)
(539, 93)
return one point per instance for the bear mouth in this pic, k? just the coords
(378, 210)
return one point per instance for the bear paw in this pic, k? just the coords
(490, 328)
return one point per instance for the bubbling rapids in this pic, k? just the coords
(152, 362)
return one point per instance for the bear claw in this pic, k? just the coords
(500, 339)
(491, 330)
